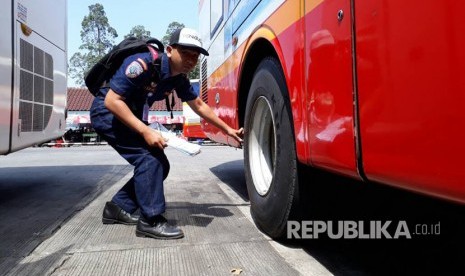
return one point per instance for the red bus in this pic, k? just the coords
(374, 90)
(191, 128)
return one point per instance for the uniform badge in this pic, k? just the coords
(151, 87)
(134, 69)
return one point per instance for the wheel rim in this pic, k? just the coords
(262, 145)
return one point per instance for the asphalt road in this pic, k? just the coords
(43, 189)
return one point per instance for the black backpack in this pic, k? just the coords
(106, 67)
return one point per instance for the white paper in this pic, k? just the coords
(176, 142)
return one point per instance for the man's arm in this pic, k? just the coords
(204, 111)
(115, 103)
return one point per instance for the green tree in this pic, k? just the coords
(173, 26)
(195, 74)
(139, 32)
(97, 38)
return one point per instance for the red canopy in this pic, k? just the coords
(166, 119)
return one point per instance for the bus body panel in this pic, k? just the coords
(225, 73)
(382, 101)
(47, 18)
(217, 53)
(329, 86)
(5, 76)
(411, 82)
(38, 74)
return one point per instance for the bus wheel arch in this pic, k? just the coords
(258, 51)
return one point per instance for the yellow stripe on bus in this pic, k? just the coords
(279, 21)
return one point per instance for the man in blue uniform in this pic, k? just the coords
(119, 114)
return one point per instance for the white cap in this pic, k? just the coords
(188, 38)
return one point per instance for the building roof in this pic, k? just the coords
(80, 99)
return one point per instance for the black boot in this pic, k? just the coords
(112, 213)
(158, 229)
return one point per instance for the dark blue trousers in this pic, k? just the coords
(151, 166)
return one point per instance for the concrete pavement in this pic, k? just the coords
(220, 238)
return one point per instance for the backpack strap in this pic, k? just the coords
(157, 64)
(169, 106)
(153, 52)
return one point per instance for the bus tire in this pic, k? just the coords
(269, 150)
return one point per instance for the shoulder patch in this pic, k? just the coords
(134, 69)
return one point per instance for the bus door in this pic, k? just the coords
(329, 85)
(411, 64)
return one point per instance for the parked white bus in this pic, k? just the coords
(33, 72)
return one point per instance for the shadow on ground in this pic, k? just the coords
(328, 197)
(436, 228)
(232, 174)
(36, 201)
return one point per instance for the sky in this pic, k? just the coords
(154, 15)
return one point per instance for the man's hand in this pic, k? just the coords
(204, 111)
(154, 139)
(237, 134)
(116, 104)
